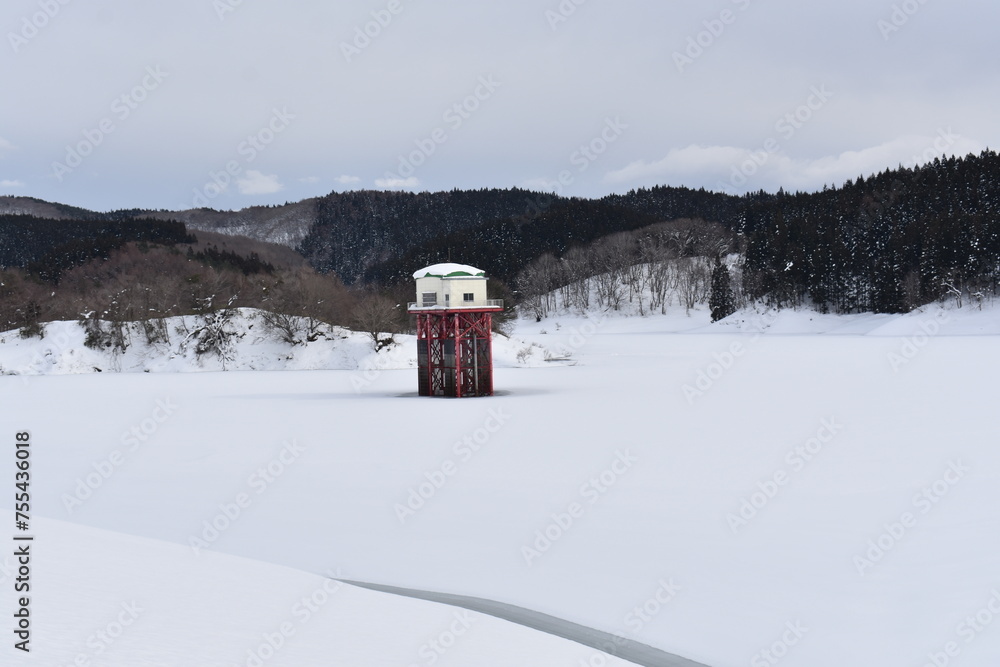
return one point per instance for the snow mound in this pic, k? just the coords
(123, 601)
(251, 347)
(933, 320)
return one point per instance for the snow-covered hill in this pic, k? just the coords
(253, 346)
(672, 295)
(103, 598)
(284, 225)
(935, 319)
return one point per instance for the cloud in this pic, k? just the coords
(257, 183)
(694, 158)
(347, 180)
(5, 146)
(11, 184)
(310, 179)
(737, 169)
(400, 183)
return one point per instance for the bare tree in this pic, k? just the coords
(578, 269)
(215, 333)
(611, 255)
(662, 278)
(537, 281)
(693, 282)
(376, 316)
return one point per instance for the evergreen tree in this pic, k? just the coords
(721, 300)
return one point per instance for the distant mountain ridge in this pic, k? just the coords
(363, 235)
(883, 243)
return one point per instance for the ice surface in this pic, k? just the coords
(608, 493)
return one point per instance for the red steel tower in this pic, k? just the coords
(454, 331)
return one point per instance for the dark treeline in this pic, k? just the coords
(887, 244)
(107, 273)
(47, 248)
(377, 237)
(503, 247)
(221, 259)
(355, 231)
(671, 203)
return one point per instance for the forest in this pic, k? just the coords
(887, 243)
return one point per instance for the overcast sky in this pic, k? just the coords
(230, 103)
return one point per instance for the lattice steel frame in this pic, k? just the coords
(455, 352)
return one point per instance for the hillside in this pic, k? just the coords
(10, 205)
(285, 225)
(373, 236)
(239, 340)
(888, 242)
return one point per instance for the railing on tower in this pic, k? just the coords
(461, 305)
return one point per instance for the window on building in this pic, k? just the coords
(469, 296)
(428, 299)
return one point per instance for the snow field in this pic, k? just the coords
(103, 598)
(818, 504)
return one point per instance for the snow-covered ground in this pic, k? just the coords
(821, 495)
(254, 347)
(104, 598)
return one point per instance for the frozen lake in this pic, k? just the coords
(729, 498)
